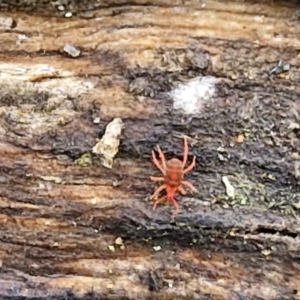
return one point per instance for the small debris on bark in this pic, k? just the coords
(96, 120)
(72, 50)
(119, 241)
(111, 248)
(68, 14)
(294, 126)
(240, 139)
(230, 191)
(280, 68)
(108, 146)
(157, 248)
(6, 23)
(21, 39)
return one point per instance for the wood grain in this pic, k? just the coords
(61, 220)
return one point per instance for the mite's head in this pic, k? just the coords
(174, 164)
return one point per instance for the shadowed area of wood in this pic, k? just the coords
(72, 229)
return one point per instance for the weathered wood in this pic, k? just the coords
(61, 220)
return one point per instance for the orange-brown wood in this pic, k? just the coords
(72, 229)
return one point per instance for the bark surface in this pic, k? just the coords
(72, 229)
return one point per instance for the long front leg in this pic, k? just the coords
(189, 185)
(185, 151)
(162, 158)
(157, 164)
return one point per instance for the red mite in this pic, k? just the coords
(173, 171)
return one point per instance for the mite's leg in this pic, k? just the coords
(158, 190)
(157, 178)
(176, 207)
(189, 185)
(159, 201)
(162, 158)
(185, 151)
(181, 190)
(191, 166)
(156, 162)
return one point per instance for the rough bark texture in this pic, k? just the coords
(63, 214)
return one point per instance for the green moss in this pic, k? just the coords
(84, 160)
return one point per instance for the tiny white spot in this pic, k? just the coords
(21, 38)
(157, 248)
(35, 266)
(94, 201)
(259, 19)
(68, 14)
(192, 96)
(96, 120)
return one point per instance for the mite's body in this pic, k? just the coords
(174, 174)
(173, 171)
